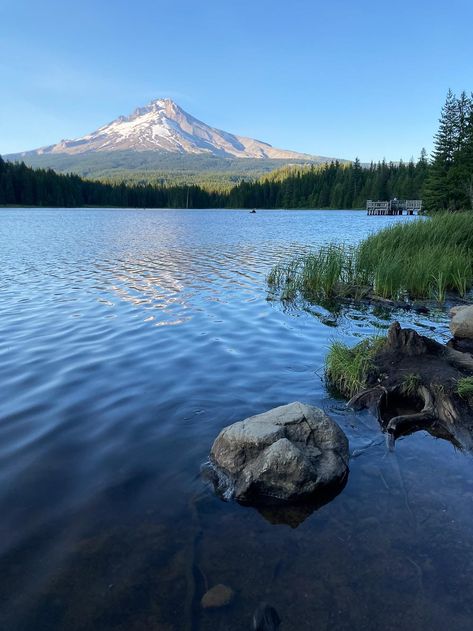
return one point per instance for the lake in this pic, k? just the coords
(128, 340)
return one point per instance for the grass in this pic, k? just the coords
(465, 387)
(410, 384)
(324, 274)
(422, 259)
(347, 369)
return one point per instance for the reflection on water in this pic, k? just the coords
(128, 340)
(294, 514)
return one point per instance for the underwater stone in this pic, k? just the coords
(217, 596)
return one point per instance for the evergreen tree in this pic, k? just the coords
(463, 168)
(439, 188)
(7, 189)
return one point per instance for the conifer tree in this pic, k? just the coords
(463, 168)
(438, 189)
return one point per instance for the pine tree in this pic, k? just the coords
(356, 182)
(7, 188)
(463, 168)
(439, 194)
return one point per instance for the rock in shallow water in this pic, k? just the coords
(461, 324)
(266, 618)
(289, 453)
(217, 596)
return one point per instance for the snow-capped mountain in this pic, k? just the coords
(163, 126)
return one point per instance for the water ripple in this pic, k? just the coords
(128, 340)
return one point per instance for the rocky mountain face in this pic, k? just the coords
(162, 126)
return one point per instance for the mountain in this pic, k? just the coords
(164, 126)
(161, 142)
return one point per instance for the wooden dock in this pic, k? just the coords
(394, 207)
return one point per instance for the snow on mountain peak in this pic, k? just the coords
(164, 126)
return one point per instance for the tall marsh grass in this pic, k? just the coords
(419, 259)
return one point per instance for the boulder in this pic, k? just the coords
(461, 323)
(287, 454)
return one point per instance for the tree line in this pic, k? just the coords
(24, 186)
(332, 185)
(445, 182)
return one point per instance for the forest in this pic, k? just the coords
(332, 185)
(445, 182)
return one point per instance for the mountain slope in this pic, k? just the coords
(163, 126)
(135, 167)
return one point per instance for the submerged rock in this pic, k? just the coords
(217, 596)
(461, 324)
(266, 618)
(289, 453)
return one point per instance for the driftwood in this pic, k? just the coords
(413, 385)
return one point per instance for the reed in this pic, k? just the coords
(422, 259)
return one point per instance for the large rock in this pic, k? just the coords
(288, 453)
(461, 324)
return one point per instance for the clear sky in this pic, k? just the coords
(340, 78)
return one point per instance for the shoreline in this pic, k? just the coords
(22, 206)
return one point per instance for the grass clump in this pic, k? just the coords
(418, 259)
(347, 369)
(410, 384)
(465, 387)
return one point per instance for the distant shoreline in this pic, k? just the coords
(261, 210)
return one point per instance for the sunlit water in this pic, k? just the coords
(128, 339)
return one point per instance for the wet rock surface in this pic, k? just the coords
(461, 323)
(288, 454)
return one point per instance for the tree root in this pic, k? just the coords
(433, 403)
(369, 398)
(404, 423)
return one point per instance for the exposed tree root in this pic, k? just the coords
(413, 386)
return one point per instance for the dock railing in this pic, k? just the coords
(394, 207)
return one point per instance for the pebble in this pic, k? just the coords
(217, 596)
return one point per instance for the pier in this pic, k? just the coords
(394, 207)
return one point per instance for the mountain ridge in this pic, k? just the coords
(163, 126)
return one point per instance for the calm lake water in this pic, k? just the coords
(128, 339)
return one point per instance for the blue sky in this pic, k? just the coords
(341, 78)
